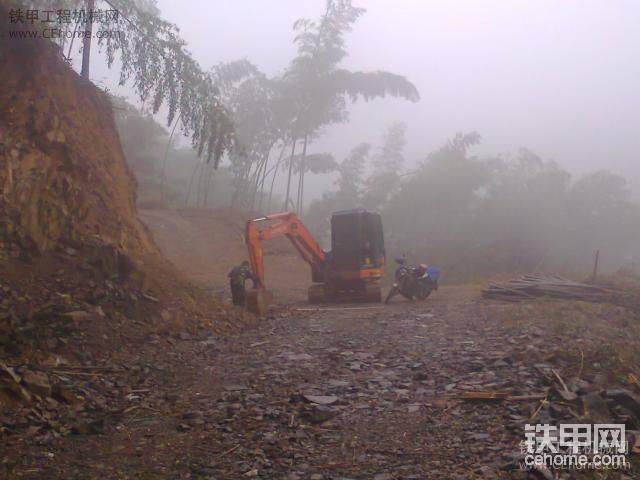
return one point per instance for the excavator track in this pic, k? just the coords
(317, 293)
(373, 293)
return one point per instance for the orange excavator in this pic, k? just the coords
(350, 271)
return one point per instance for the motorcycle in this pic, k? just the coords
(413, 281)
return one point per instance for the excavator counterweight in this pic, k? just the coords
(350, 271)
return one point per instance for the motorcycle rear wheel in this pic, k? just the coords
(407, 296)
(424, 291)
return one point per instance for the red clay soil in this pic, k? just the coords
(63, 175)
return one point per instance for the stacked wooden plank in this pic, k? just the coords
(534, 286)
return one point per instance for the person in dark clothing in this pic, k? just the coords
(237, 277)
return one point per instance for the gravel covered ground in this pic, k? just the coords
(356, 391)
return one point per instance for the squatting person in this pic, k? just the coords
(237, 278)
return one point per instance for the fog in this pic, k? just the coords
(518, 155)
(320, 239)
(559, 78)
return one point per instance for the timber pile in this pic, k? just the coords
(533, 286)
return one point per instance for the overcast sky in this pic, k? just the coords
(559, 77)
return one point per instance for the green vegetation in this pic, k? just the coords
(482, 216)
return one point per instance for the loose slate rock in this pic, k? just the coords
(595, 408)
(37, 383)
(321, 399)
(382, 476)
(235, 387)
(625, 398)
(320, 414)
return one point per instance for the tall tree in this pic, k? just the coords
(350, 181)
(386, 166)
(347, 195)
(435, 206)
(247, 94)
(319, 88)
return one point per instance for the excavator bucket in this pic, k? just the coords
(258, 301)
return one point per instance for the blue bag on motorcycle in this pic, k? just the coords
(434, 274)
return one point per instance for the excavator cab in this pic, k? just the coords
(356, 261)
(357, 240)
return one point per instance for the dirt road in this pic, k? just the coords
(347, 391)
(252, 405)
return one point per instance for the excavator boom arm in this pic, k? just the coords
(282, 224)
